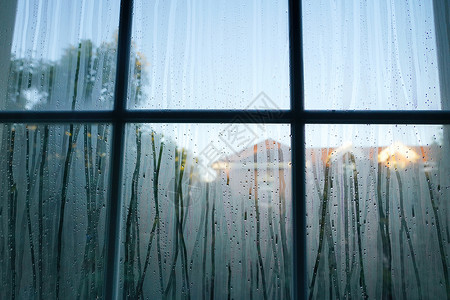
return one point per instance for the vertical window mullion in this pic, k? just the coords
(114, 207)
(298, 149)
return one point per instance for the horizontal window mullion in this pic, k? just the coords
(156, 116)
(376, 117)
(227, 116)
(209, 116)
(57, 116)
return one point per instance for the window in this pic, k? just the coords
(275, 150)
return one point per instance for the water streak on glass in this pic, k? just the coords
(53, 193)
(377, 211)
(374, 55)
(205, 217)
(209, 55)
(63, 55)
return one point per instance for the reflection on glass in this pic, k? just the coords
(63, 55)
(377, 55)
(54, 182)
(204, 216)
(209, 55)
(377, 211)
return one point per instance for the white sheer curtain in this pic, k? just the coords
(7, 15)
(370, 55)
(377, 195)
(60, 55)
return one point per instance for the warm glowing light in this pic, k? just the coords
(397, 155)
(220, 165)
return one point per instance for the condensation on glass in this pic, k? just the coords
(53, 188)
(63, 56)
(207, 212)
(374, 55)
(377, 211)
(209, 55)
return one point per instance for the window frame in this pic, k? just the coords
(297, 117)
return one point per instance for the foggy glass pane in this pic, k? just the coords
(53, 192)
(377, 211)
(374, 55)
(207, 212)
(63, 55)
(218, 54)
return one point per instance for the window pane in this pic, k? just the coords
(377, 211)
(377, 55)
(205, 215)
(63, 56)
(53, 192)
(209, 55)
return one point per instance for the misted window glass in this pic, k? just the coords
(372, 55)
(207, 212)
(377, 211)
(54, 182)
(63, 55)
(204, 54)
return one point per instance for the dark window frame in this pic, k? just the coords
(297, 117)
